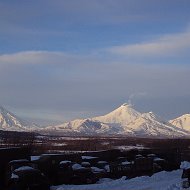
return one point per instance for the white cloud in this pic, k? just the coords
(34, 57)
(171, 45)
(167, 45)
(20, 57)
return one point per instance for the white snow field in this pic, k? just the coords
(159, 181)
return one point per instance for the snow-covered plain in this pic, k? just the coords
(159, 181)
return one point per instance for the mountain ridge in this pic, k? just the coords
(124, 120)
(182, 121)
(11, 122)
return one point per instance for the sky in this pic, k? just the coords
(67, 59)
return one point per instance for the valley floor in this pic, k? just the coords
(159, 181)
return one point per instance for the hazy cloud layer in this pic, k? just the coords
(57, 85)
(78, 58)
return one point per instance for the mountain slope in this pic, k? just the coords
(122, 115)
(182, 122)
(151, 125)
(85, 127)
(123, 121)
(10, 122)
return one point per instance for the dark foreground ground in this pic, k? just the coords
(124, 155)
(39, 144)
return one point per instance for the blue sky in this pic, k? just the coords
(65, 59)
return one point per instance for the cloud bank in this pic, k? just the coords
(83, 86)
(167, 45)
(79, 58)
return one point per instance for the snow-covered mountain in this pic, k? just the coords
(10, 122)
(83, 126)
(124, 115)
(182, 122)
(122, 121)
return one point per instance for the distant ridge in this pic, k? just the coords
(124, 120)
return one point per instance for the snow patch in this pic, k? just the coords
(159, 181)
(185, 165)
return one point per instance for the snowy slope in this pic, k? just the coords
(122, 121)
(123, 115)
(10, 122)
(182, 122)
(151, 125)
(159, 181)
(85, 126)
